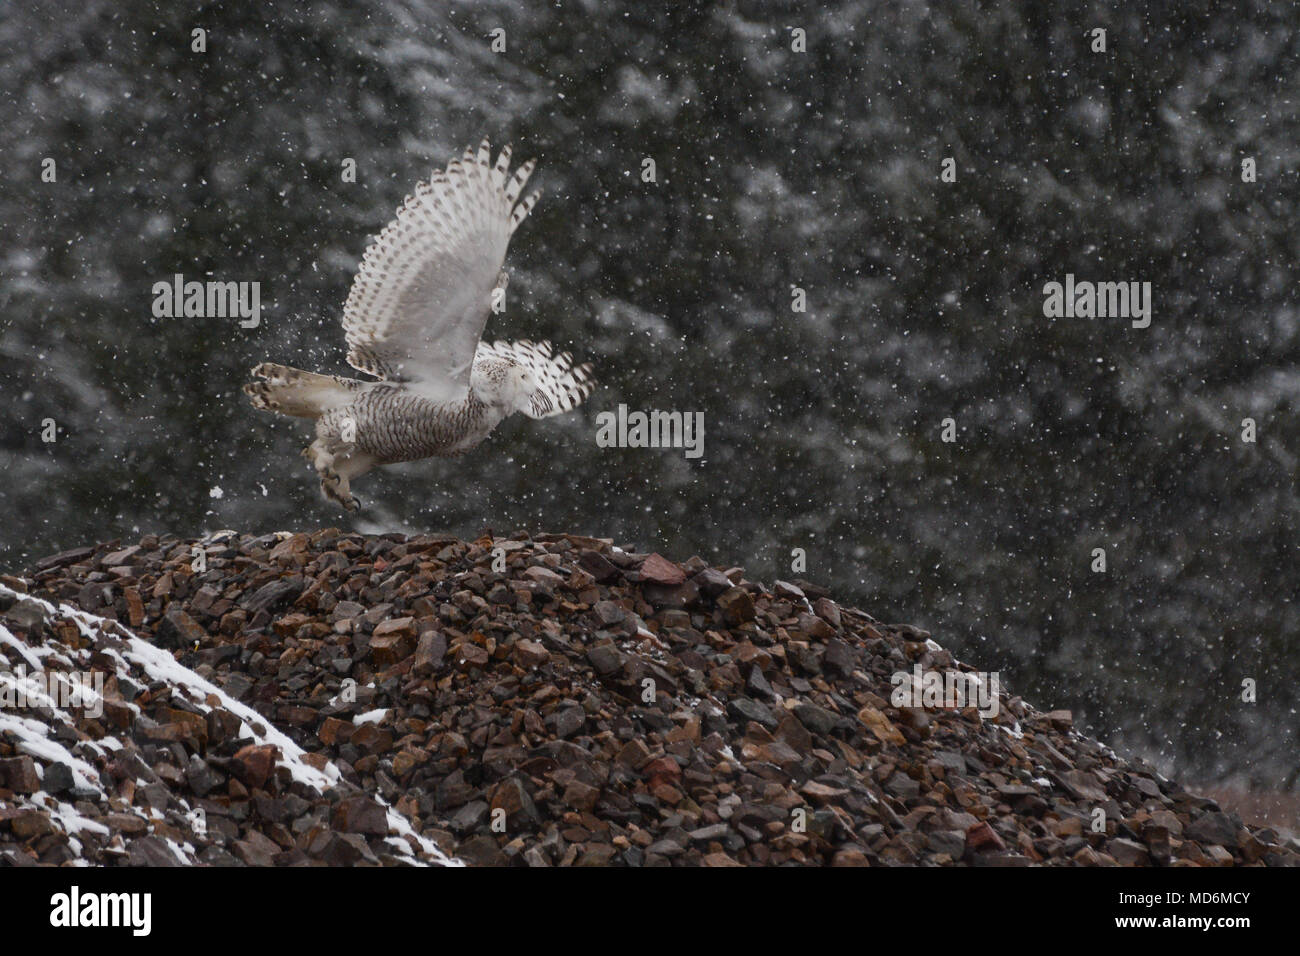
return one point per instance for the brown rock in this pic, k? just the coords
(826, 609)
(1060, 719)
(634, 754)
(333, 731)
(531, 654)
(289, 547)
(850, 856)
(608, 613)
(544, 577)
(134, 606)
(542, 719)
(371, 738)
(1218, 856)
(788, 591)
(881, 726)
(19, 775)
(472, 655)
(719, 859)
(657, 569)
(1128, 853)
(31, 823)
(737, 605)
(580, 796)
(127, 823)
(664, 770)
(511, 796)
(360, 814)
(596, 854)
(178, 629)
(711, 582)
(598, 566)
(814, 628)
(429, 652)
(393, 641)
(821, 794)
(195, 726)
(255, 763)
(1081, 785)
(981, 838)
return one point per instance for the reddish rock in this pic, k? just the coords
(737, 605)
(657, 569)
(825, 609)
(372, 738)
(334, 731)
(664, 770)
(634, 754)
(29, 824)
(511, 796)
(981, 838)
(472, 655)
(191, 726)
(360, 814)
(255, 763)
(540, 715)
(530, 654)
(544, 577)
(821, 794)
(580, 796)
(19, 775)
(881, 726)
(393, 641)
(134, 606)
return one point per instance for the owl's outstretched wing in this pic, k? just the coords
(420, 300)
(561, 385)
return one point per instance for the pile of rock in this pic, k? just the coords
(546, 700)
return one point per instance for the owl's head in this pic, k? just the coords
(505, 385)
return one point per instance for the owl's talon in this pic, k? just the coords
(335, 488)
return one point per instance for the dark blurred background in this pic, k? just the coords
(775, 169)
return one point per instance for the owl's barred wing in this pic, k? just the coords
(561, 385)
(420, 300)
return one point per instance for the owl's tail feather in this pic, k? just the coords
(291, 391)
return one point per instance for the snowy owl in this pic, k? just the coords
(413, 320)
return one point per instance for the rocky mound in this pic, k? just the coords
(546, 700)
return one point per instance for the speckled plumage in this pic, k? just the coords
(414, 320)
(394, 424)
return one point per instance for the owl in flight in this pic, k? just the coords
(413, 321)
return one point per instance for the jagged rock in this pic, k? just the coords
(586, 706)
